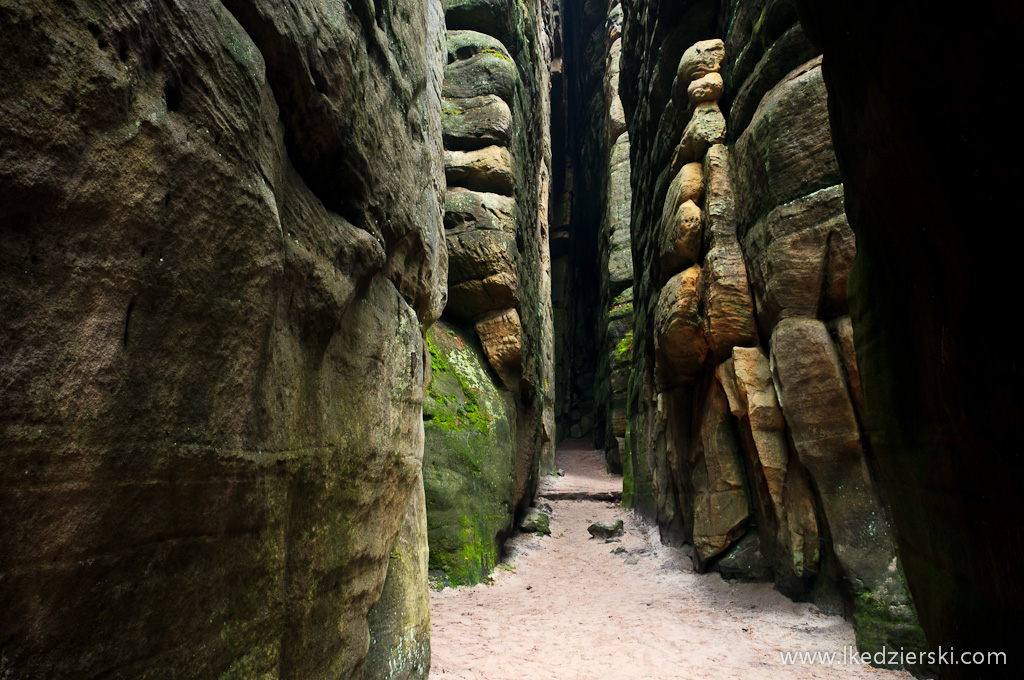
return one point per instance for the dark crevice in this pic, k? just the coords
(127, 321)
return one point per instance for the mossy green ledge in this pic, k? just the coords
(468, 459)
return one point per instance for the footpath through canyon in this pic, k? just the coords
(570, 606)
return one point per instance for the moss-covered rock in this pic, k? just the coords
(468, 458)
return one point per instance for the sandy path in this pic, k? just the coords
(571, 609)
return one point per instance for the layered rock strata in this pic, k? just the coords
(489, 406)
(222, 243)
(746, 435)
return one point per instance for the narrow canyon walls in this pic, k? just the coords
(222, 243)
(489, 409)
(941, 411)
(746, 435)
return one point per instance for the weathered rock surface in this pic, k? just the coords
(467, 472)
(606, 529)
(679, 334)
(535, 522)
(478, 65)
(488, 169)
(800, 256)
(475, 122)
(221, 243)
(774, 250)
(943, 425)
(721, 509)
(681, 238)
(786, 151)
(501, 336)
(466, 210)
(728, 308)
(400, 621)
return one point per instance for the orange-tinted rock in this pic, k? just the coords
(728, 308)
(678, 328)
(721, 509)
(699, 60)
(488, 169)
(680, 238)
(848, 353)
(706, 127)
(501, 336)
(705, 89)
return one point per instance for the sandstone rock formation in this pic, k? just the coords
(482, 467)
(744, 436)
(943, 431)
(222, 242)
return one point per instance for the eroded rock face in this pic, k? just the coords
(222, 244)
(762, 464)
(494, 124)
(468, 469)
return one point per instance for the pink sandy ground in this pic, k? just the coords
(565, 607)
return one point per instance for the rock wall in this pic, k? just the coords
(490, 405)
(940, 409)
(593, 355)
(221, 246)
(746, 433)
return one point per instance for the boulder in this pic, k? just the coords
(687, 185)
(706, 128)
(680, 238)
(488, 169)
(501, 336)
(468, 459)
(467, 210)
(606, 529)
(799, 257)
(475, 122)
(478, 65)
(697, 61)
(678, 327)
(479, 254)
(721, 508)
(535, 522)
(786, 151)
(705, 89)
(728, 307)
(468, 300)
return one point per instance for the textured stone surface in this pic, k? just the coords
(943, 425)
(222, 238)
(501, 336)
(680, 238)
(814, 398)
(728, 307)
(781, 165)
(478, 65)
(486, 170)
(799, 258)
(721, 508)
(705, 89)
(400, 621)
(678, 328)
(467, 463)
(706, 128)
(466, 210)
(786, 151)
(475, 122)
(697, 61)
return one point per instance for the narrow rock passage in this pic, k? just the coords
(568, 607)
